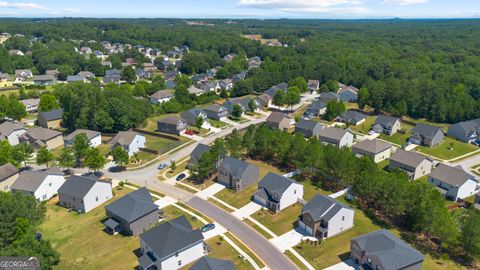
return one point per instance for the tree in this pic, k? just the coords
(183, 80)
(129, 75)
(234, 144)
(48, 102)
(362, 97)
(224, 93)
(470, 235)
(279, 98)
(120, 156)
(7, 153)
(252, 105)
(292, 97)
(182, 95)
(299, 82)
(173, 165)
(64, 72)
(334, 109)
(21, 153)
(44, 156)
(94, 159)
(199, 122)
(80, 145)
(66, 159)
(237, 111)
(242, 88)
(14, 108)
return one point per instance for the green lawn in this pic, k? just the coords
(172, 212)
(448, 149)
(382, 164)
(237, 199)
(309, 190)
(295, 260)
(217, 124)
(425, 121)
(264, 168)
(281, 222)
(144, 157)
(365, 126)
(68, 232)
(257, 228)
(157, 143)
(186, 188)
(397, 138)
(180, 167)
(245, 249)
(150, 123)
(219, 205)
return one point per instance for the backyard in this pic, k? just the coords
(365, 126)
(449, 149)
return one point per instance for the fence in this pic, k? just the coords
(340, 193)
(165, 136)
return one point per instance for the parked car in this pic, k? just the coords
(207, 227)
(371, 132)
(180, 176)
(162, 166)
(189, 132)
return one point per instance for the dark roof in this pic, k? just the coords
(124, 138)
(274, 184)
(75, 78)
(215, 108)
(468, 127)
(171, 236)
(234, 166)
(409, 158)
(31, 180)
(207, 263)
(317, 105)
(427, 131)
(113, 72)
(276, 117)
(192, 113)
(42, 134)
(90, 134)
(329, 95)
(353, 116)
(199, 151)
(307, 124)
(454, 176)
(78, 186)
(52, 115)
(162, 94)
(323, 207)
(333, 133)
(372, 146)
(133, 205)
(7, 170)
(173, 120)
(392, 252)
(386, 121)
(6, 128)
(44, 78)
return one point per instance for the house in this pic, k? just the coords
(376, 149)
(278, 120)
(427, 135)
(207, 263)
(106, 64)
(264, 100)
(197, 153)
(229, 104)
(142, 73)
(161, 96)
(316, 109)
(192, 115)
(44, 79)
(324, 217)
(211, 73)
(225, 84)
(237, 174)
(170, 75)
(8, 175)
(5, 80)
(39, 137)
(86, 74)
(277, 192)
(413, 164)
(94, 137)
(170, 84)
(239, 77)
(76, 78)
(132, 214)
(51, 119)
(43, 185)
(199, 78)
(386, 125)
(382, 250)
(468, 131)
(193, 90)
(53, 72)
(336, 136)
(216, 112)
(453, 182)
(23, 74)
(112, 79)
(170, 245)
(16, 52)
(327, 97)
(347, 93)
(352, 117)
(86, 50)
(31, 105)
(131, 141)
(308, 128)
(84, 193)
(98, 54)
(165, 65)
(11, 132)
(171, 125)
(313, 85)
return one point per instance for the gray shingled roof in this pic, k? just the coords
(6, 128)
(199, 151)
(323, 207)
(333, 133)
(307, 124)
(372, 146)
(42, 134)
(329, 95)
(31, 180)
(234, 166)
(75, 78)
(207, 263)
(52, 115)
(162, 94)
(386, 121)
(170, 237)
(454, 176)
(44, 78)
(276, 117)
(215, 108)
(353, 116)
(317, 105)
(133, 205)
(427, 131)
(409, 158)
(7, 170)
(173, 120)
(274, 184)
(90, 134)
(124, 138)
(78, 186)
(392, 252)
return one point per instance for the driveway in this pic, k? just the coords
(165, 201)
(219, 229)
(290, 239)
(247, 210)
(345, 265)
(210, 191)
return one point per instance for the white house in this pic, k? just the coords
(170, 245)
(31, 104)
(130, 141)
(324, 217)
(161, 96)
(11, 131)
(277, 192)
(84, 193)
(43, 185)
(336, 136)
(94, 137)
(453, 182)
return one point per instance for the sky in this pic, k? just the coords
(264, 9)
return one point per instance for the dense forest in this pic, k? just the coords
(422, 68)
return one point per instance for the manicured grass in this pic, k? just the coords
(397, 138)
(195, 212)
(382, 164)
(81, 241)
(281, 222)
(172, 212)
(365, 126)
(295, 260)
(219, 205)
(180, 167)
(185, 188)
(425, 121)
(104, 149)
(237, 199)
(220, 249)
(309, 190)
(245, 249)
(217, 124)
(200, 186)
(240, 120)
(144, 157)
(448, 149)
(258, 229)
(264, 168)
(157, 143)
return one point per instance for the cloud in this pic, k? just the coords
(308, 6)
(22, 5)
(405, 2)
(70, 10)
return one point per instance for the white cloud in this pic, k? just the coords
(405, 2)
(22, 5)
(70, 10)
(308, 6)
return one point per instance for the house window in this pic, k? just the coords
(295, 191)
(343, 218)
(96, 198)
(49, 184)
(44, 196)
(369, 261)
(176, 254)
(180, 263)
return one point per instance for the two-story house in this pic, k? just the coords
(237, 174)
(453, 182)
(427, 135)
(42, 185)
(11, 132)
(131, 141)
(277, 192)
(94, 137)
(171, 125)
(415, 165)
(386, 125)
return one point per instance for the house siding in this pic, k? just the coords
(102, 190)
(454, 193)
(13, 137)
(137, 143)
(54, 143)
(184, 257)
(138, 226)
(49, 187)
(379, 157)
(291, 196)
(249, 176)
(282, 125)
(171, 128)
(6, 184)
(424, 168)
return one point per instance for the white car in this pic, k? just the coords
(371, 132)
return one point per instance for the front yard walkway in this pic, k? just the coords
(165, 201)
(247, 210)
(290, 239)
(210, 191)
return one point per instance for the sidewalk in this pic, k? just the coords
(210, 191)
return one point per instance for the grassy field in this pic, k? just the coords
(264, 167)
(172, 212)
(237, 199)
(309, 190)
(295, 260)
(68, 231)
(245, 249)
(397, 138)
(365, 126)
(157, 143)
(281, 222)
(217, 124)
(258, 229)
(448, 149)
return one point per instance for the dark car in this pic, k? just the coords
(207, 227)
(180, 176)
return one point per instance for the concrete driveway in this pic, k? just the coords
(219, 229)
(210, 191)
(247, 210)
(345, 265)
(290, 239)
(165, 201)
